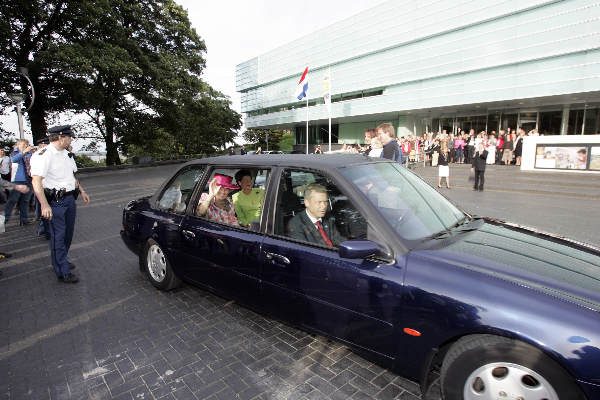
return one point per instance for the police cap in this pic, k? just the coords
(65, 130)
(44, 140)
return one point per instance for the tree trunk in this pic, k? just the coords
(37, 113)
(37, 119)
(112, 154)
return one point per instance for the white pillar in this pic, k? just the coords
(564, 126)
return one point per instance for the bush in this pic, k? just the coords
(84, 161)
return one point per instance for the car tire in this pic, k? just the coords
(157, 267)
(488, 366)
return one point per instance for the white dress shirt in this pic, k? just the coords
(55, 166)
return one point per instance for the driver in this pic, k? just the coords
(313, 225)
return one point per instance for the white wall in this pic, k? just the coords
(433, 54)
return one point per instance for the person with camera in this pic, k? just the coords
(57, 190)
(20, 158)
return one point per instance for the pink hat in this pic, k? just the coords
(225, 181)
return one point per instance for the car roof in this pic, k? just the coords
(318, 161)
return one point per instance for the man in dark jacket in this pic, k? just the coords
(312, 225)
(478, 166)
(387, 135)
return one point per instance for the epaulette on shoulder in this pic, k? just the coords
(42, 151)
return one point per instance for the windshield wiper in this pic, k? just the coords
(461, 223)
(440, 235)
(465, 224)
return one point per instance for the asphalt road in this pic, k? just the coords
(113, 336)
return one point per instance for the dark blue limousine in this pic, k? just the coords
(363, 251)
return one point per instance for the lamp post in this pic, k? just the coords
(18, 98)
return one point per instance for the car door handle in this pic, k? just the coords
(277, 257)
(188, 234)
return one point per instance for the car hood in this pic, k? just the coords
(557, 266)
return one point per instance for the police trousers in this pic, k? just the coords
(62, 226)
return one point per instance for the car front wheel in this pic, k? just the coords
(157, 267)
(492, 367)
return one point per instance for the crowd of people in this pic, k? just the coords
(503, 148)
(442, 148)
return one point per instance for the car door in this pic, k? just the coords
(169, 212)
(308, 283)
(224, 256)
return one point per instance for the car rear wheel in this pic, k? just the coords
(482, 367)
(157, 267)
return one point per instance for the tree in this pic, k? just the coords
(258, 137)
(27, 29)
(287, 141)
(132, 67)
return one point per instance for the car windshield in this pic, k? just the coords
(413, 208)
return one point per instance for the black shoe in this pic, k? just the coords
(23, 223)
(69, 278)
(71, 265)
(474, 189)
(481, 189)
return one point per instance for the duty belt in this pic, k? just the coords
(59, 194)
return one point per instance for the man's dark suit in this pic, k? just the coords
(478, 165)
(302, 228)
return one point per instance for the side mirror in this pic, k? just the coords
(358, 249)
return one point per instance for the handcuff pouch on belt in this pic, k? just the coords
(57, 195)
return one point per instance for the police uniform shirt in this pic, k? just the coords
(56, 167)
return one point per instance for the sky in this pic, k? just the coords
(236, 31)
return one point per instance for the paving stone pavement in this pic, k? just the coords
(114, 336)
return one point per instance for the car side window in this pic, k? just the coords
(236, 197)
(177, 194)
(305, 197)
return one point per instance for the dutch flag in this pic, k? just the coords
(302, 85)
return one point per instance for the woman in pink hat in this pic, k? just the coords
(216, 205)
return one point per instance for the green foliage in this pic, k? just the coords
(134, 68)
(7, 140)
(287, 142)
(84, 161)
(258, 137)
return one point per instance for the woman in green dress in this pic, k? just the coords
(248, 201)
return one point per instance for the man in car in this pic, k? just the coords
(312, 225)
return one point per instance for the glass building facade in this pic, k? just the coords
(429, 66)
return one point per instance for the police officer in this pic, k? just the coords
(56, 189)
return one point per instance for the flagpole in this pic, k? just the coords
(306, 124)
(329, 108)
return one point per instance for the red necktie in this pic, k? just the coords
(323, 234)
